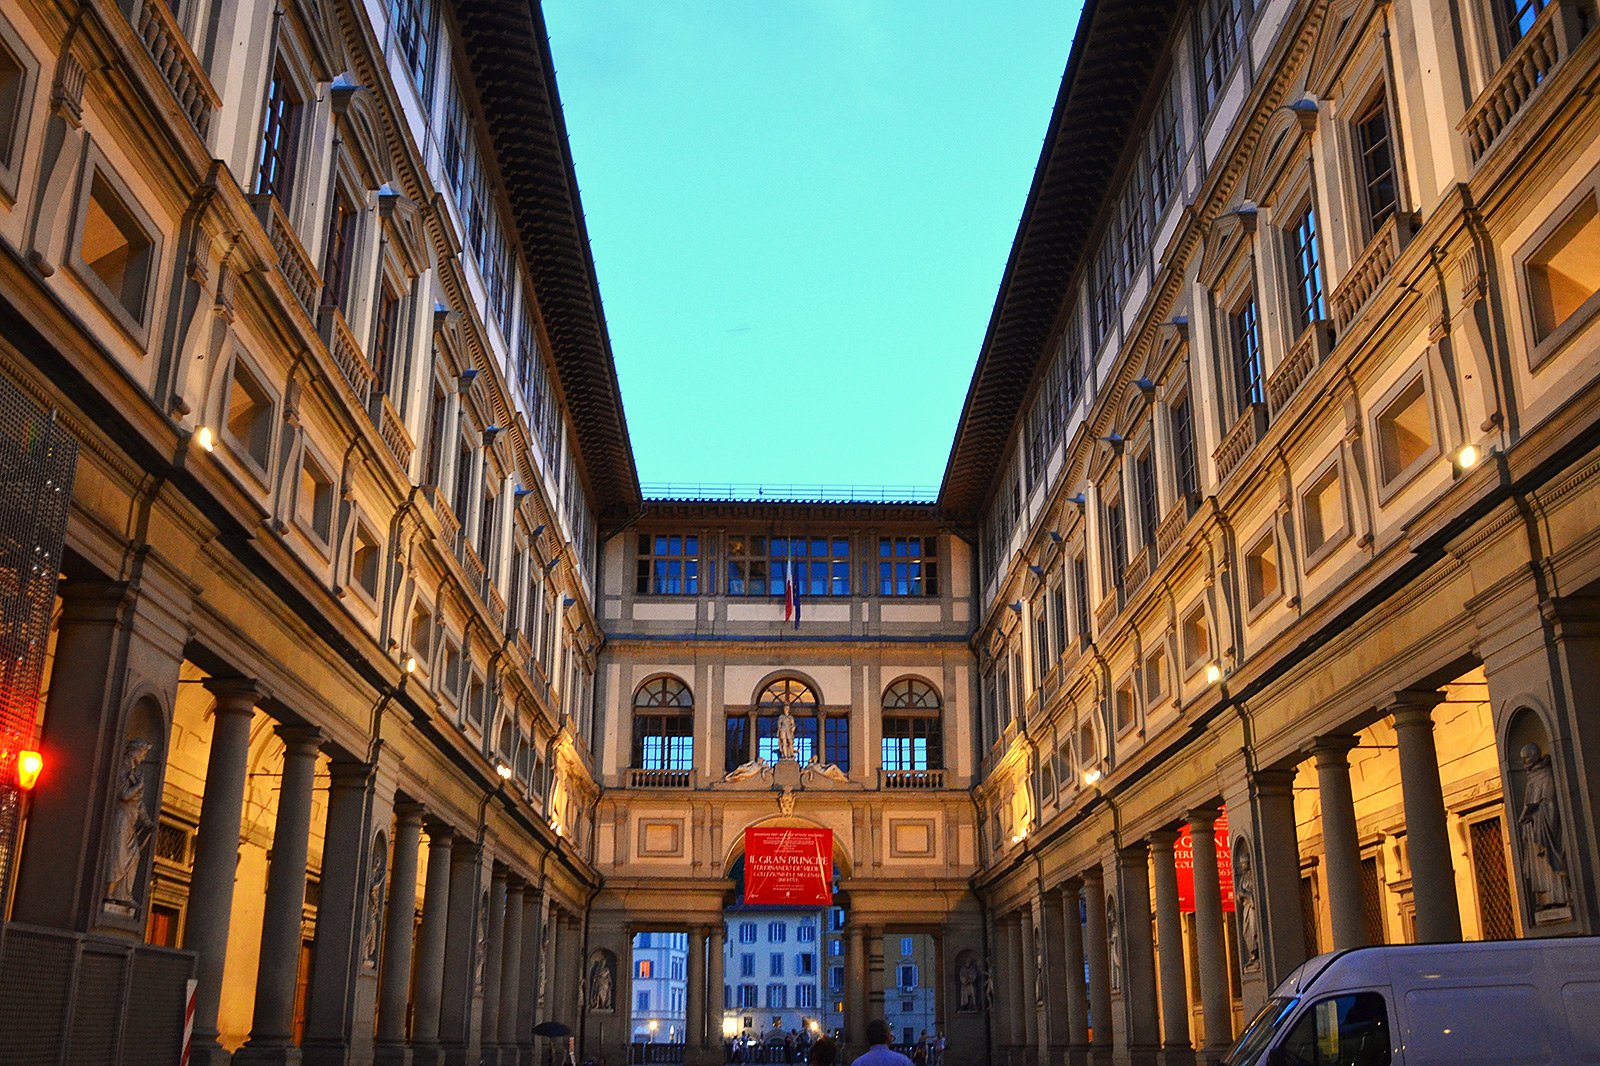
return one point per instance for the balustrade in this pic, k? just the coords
(163, 38)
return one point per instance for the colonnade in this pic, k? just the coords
(1080, 975)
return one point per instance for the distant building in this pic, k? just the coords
(659, 986)
(773, 972)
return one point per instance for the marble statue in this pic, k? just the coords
(1246, 912)
(601, 983)
(370, 922)
(969, 975)
(786, 727)
(1544, 862)
(1114, 942)
(753, 768)
(131, 826)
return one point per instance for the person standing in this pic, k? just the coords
(879, 1053)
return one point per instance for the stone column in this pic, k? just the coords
(395, 982)
(510, 974)
(1176, 1049)
(532, 950)
(461, 951)
(216, 855)
(1433, 876)
(1077, 992)
(1340, 847)
(855, 983)
(1098, 949)
(1213, 949)
(337, 1025)
(1139, 982)
(1278, 873)
(695, 1036)
(494, 952)
(1027, 981)
(1052, 937)
(716, 980)
(877, 972)
(278, 961)
(431, 939)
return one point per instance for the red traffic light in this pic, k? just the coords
(29, 764)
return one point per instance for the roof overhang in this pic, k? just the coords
(1115, 53)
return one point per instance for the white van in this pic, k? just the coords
(1510, 1002)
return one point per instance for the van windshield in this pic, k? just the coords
(1259, 1033)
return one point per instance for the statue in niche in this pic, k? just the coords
(786, 728)
(1114, 943)
(1245, 909)
(1544, 863)
(602, 983)
(1038, 966)
(483, 941)
(131, 828)
(370, 923)
(969, 975)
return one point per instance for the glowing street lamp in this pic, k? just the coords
(29, 765)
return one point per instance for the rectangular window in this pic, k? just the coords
(775, 965)
(747, 964)
(1261, 570)
(1305, 259)
(1058, 617)
(747, 996)
(806, 964)
(663, 741)
(1041, 641)
(736, 743)
(314, 506)
(1080, 598)
(1564, 272)
(777, 933)
(1379, 191)
(1244, 330)
(1144, 481)
(249, 416)
(1155, 675)
(1219, 27)
(1116, 545)
(280, 127)
(1322, 510)
(115, 247)
(777, 996)
(1071, 371)
(747, 932)
(912, 742)
(1405, 432)
(759, 566)
(434, 447)
(1517, 18)
(1183, 452)
(1107, 292)
(645, 967)
(908, 566)
(336, 264)
(644, 999)
(13, 78)
(412, 21)
(1166, 148)
(669, 565)
(1126, 707)
(806, 933)
(836, 737)
(386, 334)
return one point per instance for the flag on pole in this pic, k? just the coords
(791, 595)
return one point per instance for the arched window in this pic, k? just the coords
(913, 734)
(663, 725)
(820, 734)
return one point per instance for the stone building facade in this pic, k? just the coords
(379, 701)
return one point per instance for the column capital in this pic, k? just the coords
(1163, 840)
(410, 812)
(1413, 706)
(1273, 781)
(1203, 817)
(501, 872)
(1134, 854)
(348, 773)
(439, 831)
(1093, 875)
(1333, 749)
(235, 695)
(299, 739)
(516, 884)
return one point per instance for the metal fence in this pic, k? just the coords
(38, 457)
(86, 1000)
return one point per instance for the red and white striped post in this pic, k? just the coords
(188, 1019)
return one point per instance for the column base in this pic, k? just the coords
(267, 1055)
(459, 1055)
(1143, 1055)
(1176, 1056)
(1077, 1055)
(324, 1053)
(208, 1053)
(1101, 1055)
(392, 1055)
(427, 1054)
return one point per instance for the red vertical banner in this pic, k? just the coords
(789, 867)
(1183, 857)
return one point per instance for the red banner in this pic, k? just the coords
(1183, 855)
(789, 867)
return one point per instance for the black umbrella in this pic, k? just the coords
(551, 1029)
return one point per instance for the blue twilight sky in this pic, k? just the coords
(800, 211)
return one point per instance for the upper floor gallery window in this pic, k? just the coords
(913, 738)
(1183, 451)
(280, 128)
(759, 566)
(1244, 329)
(663, 726)
(1564, 271)
(669, 565)
(1380, 194)
(1305, 257)
(1516, 18)
(908, 566)
(1218, 29)
(414, 35)
(339, 251)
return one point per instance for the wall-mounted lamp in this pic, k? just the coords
(502, 770)
(1467, 457)
(205, 438)
(1213, 674)
(1092, 776)
(410, 665)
